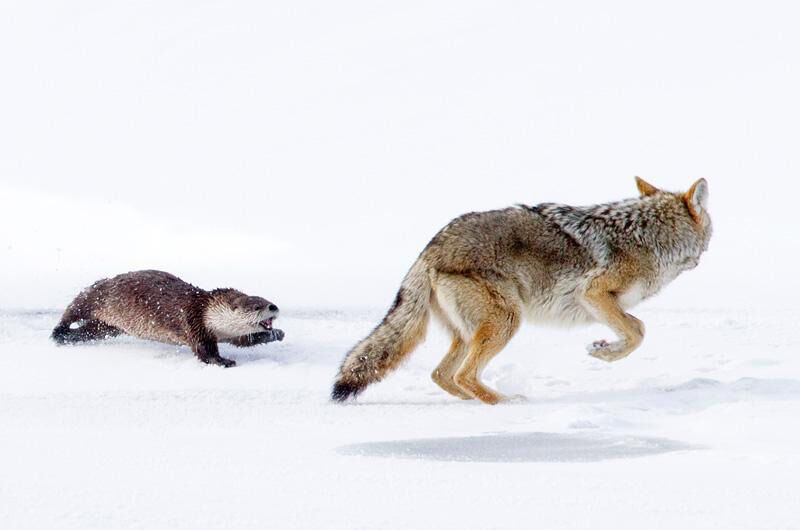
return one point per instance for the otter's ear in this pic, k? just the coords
(645, 188)
(697, 199)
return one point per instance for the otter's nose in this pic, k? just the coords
(272, 307)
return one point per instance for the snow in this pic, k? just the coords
(697, 429)
(306, 152)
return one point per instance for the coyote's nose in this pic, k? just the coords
(273, 307)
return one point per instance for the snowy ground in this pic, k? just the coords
(698, 429)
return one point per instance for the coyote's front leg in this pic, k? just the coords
(602, 303)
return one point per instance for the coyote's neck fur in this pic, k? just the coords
(655, 229)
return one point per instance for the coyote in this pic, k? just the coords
(484, 272)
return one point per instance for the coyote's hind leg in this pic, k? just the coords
(482, 316)
(491, 337)
(488, 314)
(444, 374)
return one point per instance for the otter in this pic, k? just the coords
(158, 306)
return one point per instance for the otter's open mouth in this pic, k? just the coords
(266, 324)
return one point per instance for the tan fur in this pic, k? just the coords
(484, 272)
(692, 202)
(601, 300)
(645, 188)
(444, 374)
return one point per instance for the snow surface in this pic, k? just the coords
(296, 149)
(697, 429)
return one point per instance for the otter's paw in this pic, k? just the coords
(275, 334)
(219, 361)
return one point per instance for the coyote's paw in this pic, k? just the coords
(603, 350)
(597, 345)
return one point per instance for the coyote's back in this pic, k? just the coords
(484, 272)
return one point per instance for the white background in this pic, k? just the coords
(306, 151)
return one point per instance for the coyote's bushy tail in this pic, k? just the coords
(400, 331)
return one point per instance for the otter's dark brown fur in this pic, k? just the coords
(158, 306)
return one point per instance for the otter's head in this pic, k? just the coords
(260, 312)
(232, 313)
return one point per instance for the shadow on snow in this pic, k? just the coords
(520, 447)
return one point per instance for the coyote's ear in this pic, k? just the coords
(697, 199)
(645, 188)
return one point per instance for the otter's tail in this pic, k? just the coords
(90, 330)
(401, 330)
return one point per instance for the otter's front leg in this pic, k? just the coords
(208, 352)
(272, 335)
(262, 337)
